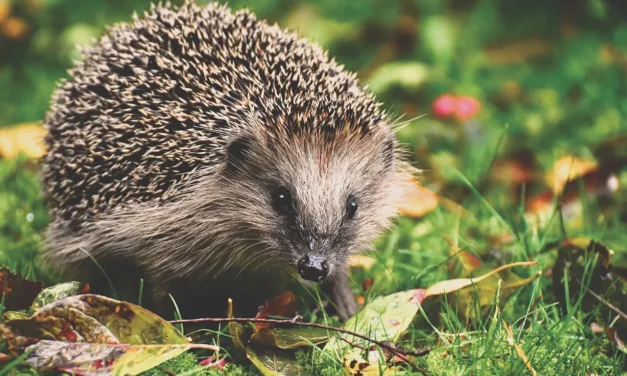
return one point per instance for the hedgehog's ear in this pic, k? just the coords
(237, 153)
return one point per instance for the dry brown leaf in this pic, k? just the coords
(418, 201)
(14, 28)
(566, 169)
(519, 349)
(26, 138)
(282, 305)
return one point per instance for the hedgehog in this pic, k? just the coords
(213, 156)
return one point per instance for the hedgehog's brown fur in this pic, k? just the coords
(164, 142)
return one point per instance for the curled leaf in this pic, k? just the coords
(57, 292)
(83, 358)
(90, 318)
(453, 285)
(282, 305)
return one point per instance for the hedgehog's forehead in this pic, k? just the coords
(333, 164)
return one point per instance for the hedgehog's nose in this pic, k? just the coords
(313, 268)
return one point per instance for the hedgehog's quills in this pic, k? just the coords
(214, 155)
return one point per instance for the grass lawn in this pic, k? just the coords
(546, 95)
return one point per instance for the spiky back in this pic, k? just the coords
(157, 99)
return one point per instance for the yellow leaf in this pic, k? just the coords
(354, 364)
(14, 28)
(566, 169)
(5, 9)
(453, 285)
(361, 261)
(418, 201)
(26, 138)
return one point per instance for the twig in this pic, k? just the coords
(355, 345)
(608, 304)
(392, 349)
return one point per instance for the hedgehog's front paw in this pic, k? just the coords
(342, 297)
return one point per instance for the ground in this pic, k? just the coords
(498, 103)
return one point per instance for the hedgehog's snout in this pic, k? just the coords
(313, 268)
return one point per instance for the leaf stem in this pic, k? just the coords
(400, 353)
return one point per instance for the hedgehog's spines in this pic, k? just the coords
(156, 99)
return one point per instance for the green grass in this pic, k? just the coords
(563, 101)
(414, 254)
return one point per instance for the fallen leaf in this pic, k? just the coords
(361, 261)
(566, 169)
(90, 318)
(58, 292)
(453, 285)
(14, 28)
(276, 363)
(418, 202)
(18, 292)
(385, 318)
(283, 305)
(5, 9)
(26, 138)
(367, 284)
(14, 315)
(239, 337)
(612, 335)
(355, 365)
(83, 358)
(289, 338)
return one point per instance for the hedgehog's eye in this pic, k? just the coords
(351, 207)
(282, 200)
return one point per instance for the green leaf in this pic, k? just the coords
(383, 319)
(289, 338)
(239, 337)
(275, 363)
(14, 315)
(57, 292)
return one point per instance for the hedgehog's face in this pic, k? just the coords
(315, 201)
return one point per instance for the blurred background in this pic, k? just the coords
(486, 91)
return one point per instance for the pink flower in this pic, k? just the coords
(467, 108)
(219, 364)
(444, 106)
